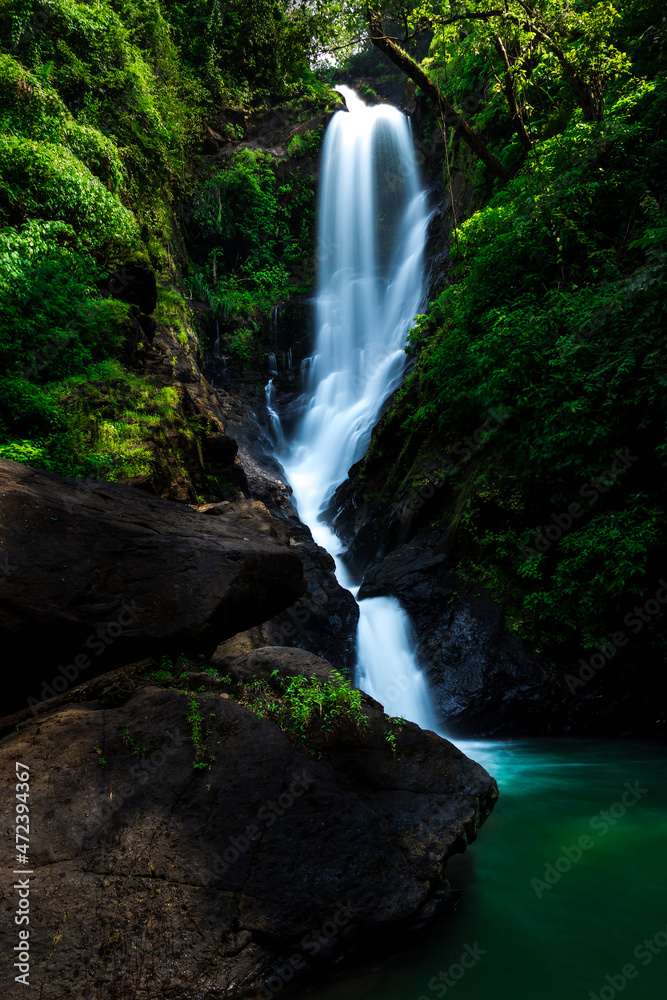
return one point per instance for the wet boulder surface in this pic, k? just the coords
(156, 878)
(88, 565)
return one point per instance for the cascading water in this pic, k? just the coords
(276, 427)
(387, 668)
(372, 228)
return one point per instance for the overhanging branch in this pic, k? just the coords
(450, 115)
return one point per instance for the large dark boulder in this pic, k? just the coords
(323, 621)
(87, 564)
(156, 879)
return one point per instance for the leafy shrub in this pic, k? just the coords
(263, 233)
(34, 110)
(52, 321)
(101, 108)
(307, 143)
(46, 181)
(298, 703)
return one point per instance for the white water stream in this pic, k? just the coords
(373, 219)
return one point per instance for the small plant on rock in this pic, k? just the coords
(135, 748)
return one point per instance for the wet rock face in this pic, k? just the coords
(483, 681)
(87, 560)
(156, 879)
(324, 619)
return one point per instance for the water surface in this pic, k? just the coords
(564, 940)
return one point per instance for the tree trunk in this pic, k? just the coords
(451, 117)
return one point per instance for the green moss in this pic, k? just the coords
(171, 311)
(116, 424)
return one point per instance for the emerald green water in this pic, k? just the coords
(587, 925)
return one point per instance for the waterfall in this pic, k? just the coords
(387, 669)
(373, 219)
(274, 419)
(370, 289)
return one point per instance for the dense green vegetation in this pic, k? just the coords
(103, 110)
(555, 318)
(255, 238)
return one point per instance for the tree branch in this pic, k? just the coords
(510, 94)
(450, 115)
(582, 88)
